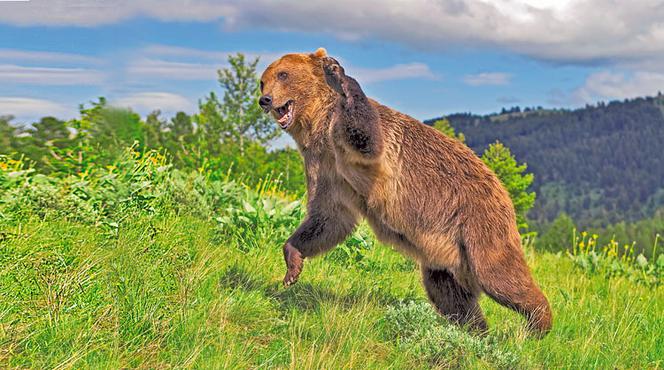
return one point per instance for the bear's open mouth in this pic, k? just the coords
(284, 114)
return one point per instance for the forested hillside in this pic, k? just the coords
(600, 164)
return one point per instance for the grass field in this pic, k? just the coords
(171, 291)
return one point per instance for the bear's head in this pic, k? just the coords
(294, 90)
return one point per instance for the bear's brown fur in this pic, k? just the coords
(426, 194)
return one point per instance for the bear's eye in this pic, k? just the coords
(282, 76)
(262, 84)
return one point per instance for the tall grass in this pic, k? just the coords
(139, 265)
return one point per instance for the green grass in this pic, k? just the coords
(169, 291)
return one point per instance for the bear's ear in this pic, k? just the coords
(319, 53)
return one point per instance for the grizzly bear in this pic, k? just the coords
(422, 192)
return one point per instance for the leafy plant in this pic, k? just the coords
(257, 220)
(353, 251)
(611, 260)
(237, 117)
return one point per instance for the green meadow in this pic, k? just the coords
(143, 266)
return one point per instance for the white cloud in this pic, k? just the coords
(45, 56)
(488, 78)
(396, 72)
(98, 12)
(10, 73)
(618, 85)
(146, 102)
(567, 31)
(181, 63)
(212, 55)
(173, 70)
(29, 108)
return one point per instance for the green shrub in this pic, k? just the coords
(353, 251)
(421, 331)
(257, 220)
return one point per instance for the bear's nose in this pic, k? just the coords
(265, 102)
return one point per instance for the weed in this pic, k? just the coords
(611, 260)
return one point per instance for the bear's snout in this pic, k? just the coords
(265, 102)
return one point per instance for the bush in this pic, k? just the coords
(420, 330)
(136, 183)
(557, 235)
(353, 251)
(257, 220)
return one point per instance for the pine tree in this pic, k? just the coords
(444, 126)
(499, 158)
(237, 117)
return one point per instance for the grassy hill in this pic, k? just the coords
(139, 265)
(601, 164)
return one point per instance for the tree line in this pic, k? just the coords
(601, 164)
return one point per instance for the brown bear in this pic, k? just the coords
(422, 192)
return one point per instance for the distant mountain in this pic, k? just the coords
(600, 164)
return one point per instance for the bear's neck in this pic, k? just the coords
(312, 132)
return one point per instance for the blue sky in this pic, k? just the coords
(423, 57)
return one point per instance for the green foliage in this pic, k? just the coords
(422, 333)
(102, 134)
(353, 252)
(443, 125)
(179, 140)
(640, 236)
(237, 117)
(256, 219)
(226, 135)
(513, 176)
(284, 166)
(610, 260)
(642, 233)
(7, 132)
(558, 235)
(104, 195)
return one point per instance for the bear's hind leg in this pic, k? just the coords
(452, 300)
(503, 274)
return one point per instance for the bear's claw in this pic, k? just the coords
(290, 279)
(334, 75)
(294, 260)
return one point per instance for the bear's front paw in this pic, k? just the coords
(334, 74)
(294, 260)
